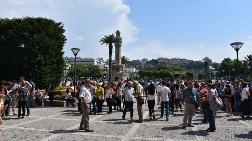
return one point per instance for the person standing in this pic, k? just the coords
(128, 100)
(172, 97)
(99, 93)
(210, 113)
(228, 101)
(203, 92)
(164, 98)
(245, 106)
(22, 94)
(85, 97)
(108, 94)
(119, 96)
(139, 99)
(189, 97)
(2, 109)
(151, 91)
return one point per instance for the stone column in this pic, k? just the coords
(118, 44)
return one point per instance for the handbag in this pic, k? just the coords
(216, 103)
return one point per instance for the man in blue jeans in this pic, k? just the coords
(164, 93)
(128, 100)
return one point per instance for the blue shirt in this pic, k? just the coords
(189, 95)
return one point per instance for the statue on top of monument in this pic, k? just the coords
(118, 38)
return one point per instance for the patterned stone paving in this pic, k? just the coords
(57, 124)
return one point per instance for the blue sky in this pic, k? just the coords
(190, 29)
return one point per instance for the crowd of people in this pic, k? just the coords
(170, 95)
(20, 95)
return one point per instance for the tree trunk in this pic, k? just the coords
(110, 61)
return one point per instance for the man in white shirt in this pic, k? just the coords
(164, 98)
(85, 97)
(128, 99)
(245, 103)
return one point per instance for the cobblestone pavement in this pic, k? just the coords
(57, 124)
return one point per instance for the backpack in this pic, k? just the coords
(23, 93)
(216, 104)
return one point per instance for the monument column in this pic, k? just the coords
(118, 44)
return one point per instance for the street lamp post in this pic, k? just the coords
(75, 52)
(237, 46)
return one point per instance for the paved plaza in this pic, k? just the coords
(57, 124)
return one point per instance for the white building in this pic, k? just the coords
(83, 61)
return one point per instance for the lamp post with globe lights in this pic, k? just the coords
(237, 46)
(75, 52)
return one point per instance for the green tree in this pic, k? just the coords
(125, 60)
(32, 47)
(94, 71)
(109, 40)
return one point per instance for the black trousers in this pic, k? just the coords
(118, 102)
(7, 105)
(21, 105)
(109, 103)
(99, 104)
(171, 105)
(204, 110)
(245, 107)
(151, 105)
(128, 107)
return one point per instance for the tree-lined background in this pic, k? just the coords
(32, 47)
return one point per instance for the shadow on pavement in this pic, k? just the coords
(171, 128)
(64, 131)
(196, 133)
(245, 136)
(11, 118)
(112, 119)
(233, 119)
(177, 115)
(123, 122)
(71, 113)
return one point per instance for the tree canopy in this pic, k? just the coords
(92, 71)
(32, 47)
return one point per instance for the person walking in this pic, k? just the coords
(164, 98)
(140, 100)
(128, 100)
(189, 97)
(85, 97)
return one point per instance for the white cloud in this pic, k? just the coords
(91, 19)
(123, 23)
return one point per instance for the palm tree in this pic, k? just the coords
(109, 40)
(124, 60)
